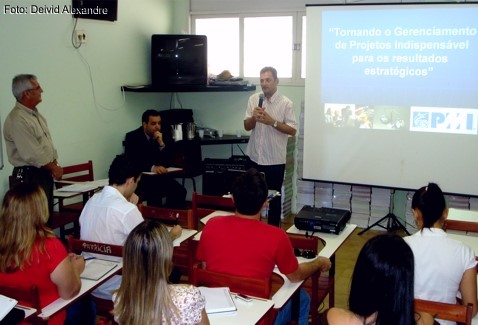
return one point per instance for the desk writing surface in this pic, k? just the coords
(332, 241)
(247, 313)
(185, 234)
(332, 244)
(462, 215)
(77, 188)
(216, 214)
(86, 287)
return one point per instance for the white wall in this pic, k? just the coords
(88, 121)
(83, 126)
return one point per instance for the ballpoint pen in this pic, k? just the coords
(90, 258)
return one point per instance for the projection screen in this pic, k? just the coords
(391, 95)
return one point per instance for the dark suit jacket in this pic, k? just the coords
(142, 152)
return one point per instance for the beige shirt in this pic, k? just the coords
(27, 138)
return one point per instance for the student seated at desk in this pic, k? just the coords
(145, 147)
(145, 297)
(381, 291)
(29, 252)
(110, 215)
(444, 267)
(243, 245)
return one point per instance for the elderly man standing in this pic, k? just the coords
(28, 141)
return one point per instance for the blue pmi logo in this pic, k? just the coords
(444, 120)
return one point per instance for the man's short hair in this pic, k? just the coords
(121, 169)
(147, 114)
(272, 70)
(249, 192)
(21, 83)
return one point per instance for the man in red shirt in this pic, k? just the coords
(243, 245)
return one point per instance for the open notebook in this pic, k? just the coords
(95, 269)
(218, 300)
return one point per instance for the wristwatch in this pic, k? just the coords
(275, 124)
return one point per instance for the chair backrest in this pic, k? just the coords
(168, 216)
(452, 312)
(205, 204)
(461, 225)
(77, 246)
(79, 173)
(257, 287)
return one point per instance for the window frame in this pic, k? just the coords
(297, 18)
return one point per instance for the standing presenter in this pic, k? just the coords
(271, 117)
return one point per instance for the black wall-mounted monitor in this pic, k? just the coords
(178, 59)
(95, 9)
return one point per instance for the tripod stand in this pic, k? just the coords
(393, 223)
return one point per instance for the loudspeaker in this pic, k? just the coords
(219, 174)
(214, 183)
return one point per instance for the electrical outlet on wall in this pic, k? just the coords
(80, 36)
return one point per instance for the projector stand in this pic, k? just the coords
(393, 223)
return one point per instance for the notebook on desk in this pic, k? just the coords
(95, 269)
(218, 300)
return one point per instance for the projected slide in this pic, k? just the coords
(379, 55)
(390, 79)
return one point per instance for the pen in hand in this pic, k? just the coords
(177, 218)
(89, 258)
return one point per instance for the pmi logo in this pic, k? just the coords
(444, 120)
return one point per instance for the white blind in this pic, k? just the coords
(221, 6)
(249, 6)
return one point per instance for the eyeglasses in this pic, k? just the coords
(36, 88)
(305, 253)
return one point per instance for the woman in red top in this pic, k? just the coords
(30, 254)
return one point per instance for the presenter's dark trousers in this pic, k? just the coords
(274, 178)
(36, 176)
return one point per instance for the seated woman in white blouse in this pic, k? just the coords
(444, 267)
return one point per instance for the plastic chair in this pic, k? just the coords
(452, 312)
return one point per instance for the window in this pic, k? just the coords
(243, 44)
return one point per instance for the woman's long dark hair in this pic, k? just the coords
(382, 281)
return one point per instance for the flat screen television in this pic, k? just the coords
(178, 59)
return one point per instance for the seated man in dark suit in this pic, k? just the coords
(145, 148)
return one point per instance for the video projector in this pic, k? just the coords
(321, 219)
